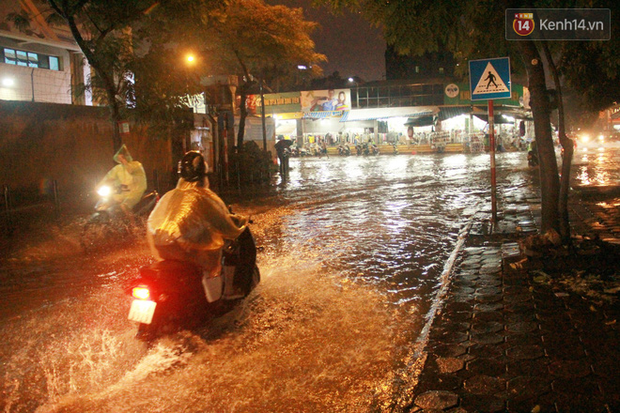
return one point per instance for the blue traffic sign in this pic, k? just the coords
(490, 78)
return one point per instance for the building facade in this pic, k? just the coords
(42, 63)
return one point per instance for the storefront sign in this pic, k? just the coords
(331, 100)
(275, 103)
(452, 90)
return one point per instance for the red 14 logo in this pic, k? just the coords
(523, 24)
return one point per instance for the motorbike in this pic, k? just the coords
(109, 220)
(370, 149)
(344, 150)
(169, 296)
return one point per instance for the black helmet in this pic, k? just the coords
(193, 167)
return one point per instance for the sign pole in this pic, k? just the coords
(493, 175)
(490, 79)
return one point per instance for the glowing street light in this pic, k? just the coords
(7, 82)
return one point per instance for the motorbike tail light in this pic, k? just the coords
(141, 293)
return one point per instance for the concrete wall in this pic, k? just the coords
(42, 142)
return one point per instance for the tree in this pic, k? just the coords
(101, 28)
(475, 29)
(255, 39)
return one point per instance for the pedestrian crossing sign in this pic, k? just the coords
(490, 78)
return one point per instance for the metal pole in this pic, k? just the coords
(32, 82)
(7, 207)
(493, 176)
(238, 177)
(262, 104)
(56, 199)
(156, 181)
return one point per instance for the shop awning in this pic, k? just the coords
(497, 118)
(502, 113)
(427, 120)
(384, 113)
(448, 112)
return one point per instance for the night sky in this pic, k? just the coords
(352, 46)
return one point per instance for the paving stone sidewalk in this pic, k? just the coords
(505, 343)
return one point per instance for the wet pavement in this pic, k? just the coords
(504, 342)
(358, 310)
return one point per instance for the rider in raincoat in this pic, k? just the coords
(191, 223)
(129, 177)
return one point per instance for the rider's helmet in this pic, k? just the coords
(193, 167)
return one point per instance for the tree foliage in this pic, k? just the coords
(259, 42)
(102, 30)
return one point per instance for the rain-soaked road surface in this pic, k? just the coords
(353, 252)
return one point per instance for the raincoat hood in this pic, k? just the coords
(122, 151)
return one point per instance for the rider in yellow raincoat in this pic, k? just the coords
(129, 177)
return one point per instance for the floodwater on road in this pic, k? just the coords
(353, 249)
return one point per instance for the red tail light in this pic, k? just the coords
(141, 293)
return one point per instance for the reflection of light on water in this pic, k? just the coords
(304, 342)
(611, 205)
(596, 169)
(396, 163)
(582, 176)
(453, 160)
(353, 170)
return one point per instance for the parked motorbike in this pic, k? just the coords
(169, 295)
(109, 220)
(344, 150)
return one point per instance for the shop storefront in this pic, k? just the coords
(328, 118)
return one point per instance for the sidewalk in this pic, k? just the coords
(506, 342)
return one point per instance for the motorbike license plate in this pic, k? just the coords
(142, 311)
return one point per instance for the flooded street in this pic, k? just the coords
(353, 252)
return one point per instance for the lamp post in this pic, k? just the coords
(352, 80)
